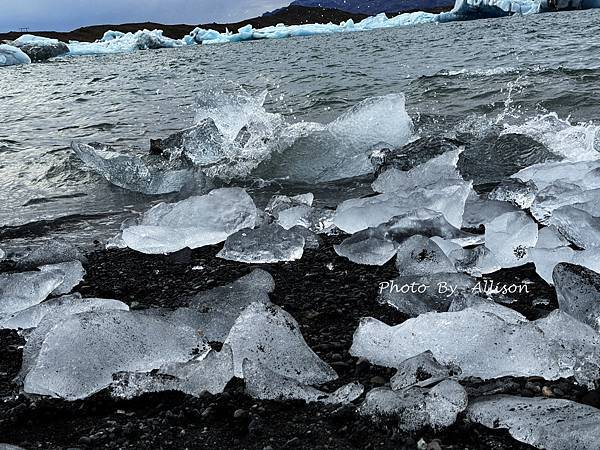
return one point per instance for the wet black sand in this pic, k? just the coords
(327, 302)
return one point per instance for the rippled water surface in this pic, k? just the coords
(537, 77)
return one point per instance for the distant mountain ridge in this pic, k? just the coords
(372, 7)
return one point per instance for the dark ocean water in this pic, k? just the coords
(535, 77)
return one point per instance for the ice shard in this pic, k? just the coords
(509, 237)
(220, 307)
(519, 193)
(358, 214)
(578, 226)
(578, 293)
(80, 354)
(19, 291)
(544, 174)
(56, 309)
(132, 172)
(72, 271)
(548, 423)
(417, 408)
(265, 244)
(263, 383)
(419, 255)
(194, 222)
(270, 336)
(53, 251)
(209, 373)
(414, 295)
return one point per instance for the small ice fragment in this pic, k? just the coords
(270, 336)
(422, 369)
(515, 191)
(509, 237)
(549, 423)
(266, 244)
(478, 212)
(578, 293)
(262, 383)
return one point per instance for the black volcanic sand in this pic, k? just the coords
(327, 303)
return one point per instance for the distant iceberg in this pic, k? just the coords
(117, 42)
(10, 56)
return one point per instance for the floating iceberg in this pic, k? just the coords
(132, 172)
(417, 408)
(194, 222)
(486, 345)
(486, 9)
(268, 335)
(79, 355)
(40, 48)
(265, 244)
(116, 42)
(552, 424)
(263, 383)
(11, 56)
(578, 293)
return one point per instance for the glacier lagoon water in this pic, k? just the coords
(536, 78)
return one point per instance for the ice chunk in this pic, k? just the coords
(437, 171)
(545, 174)
(57, 309)
(220, 307)
(266, 244)
(422, 369)
(378, 245)
(80, 354)
(40, 48)
(209, 373)
(419, 255)
(194, 222)
(263, 383)
(312, 152)
(579, 227)
(317, 220)
(578, 293)
(53, 251)
(481, 211)
(10, 56)
(414, 295)
(417, 408)
(484, 304)
(72, 271)
(279, 203)
(358, 214)
(553, 424)
(560, 194)
(476, 261)
(551, 348)
(549, 238)
(132, 172)
(19, 291)
(515, 191)
(510, 236)
(270, 336)
(2, 254)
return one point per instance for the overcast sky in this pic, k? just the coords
(64, 15)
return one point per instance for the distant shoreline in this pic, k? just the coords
(292, 15)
